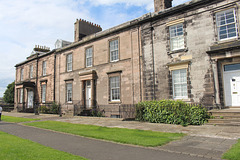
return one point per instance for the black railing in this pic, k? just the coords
(125, 111)
(7, 107)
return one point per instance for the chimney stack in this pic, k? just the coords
(84, 28)
(160, 5)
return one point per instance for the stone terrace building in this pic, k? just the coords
(188, 52)
(191, 52)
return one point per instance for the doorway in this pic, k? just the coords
(231, 78)
(30, 99)
(88, 94)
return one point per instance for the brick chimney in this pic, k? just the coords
(84, 28)
(160, 5)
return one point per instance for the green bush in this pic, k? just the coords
(44, 109)
(52, 109)
(171, 112)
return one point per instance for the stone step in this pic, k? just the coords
(224, 124)
(214, 121)
(227, 117)
(225, 112)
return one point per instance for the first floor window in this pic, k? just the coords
(69, 92)
(179, 81)
(44, 68)
(31, 72)
(226, 24)
(89, 57)
(176, 37)
(44, 93)
(113, 47)
(69, 62)
(21, 96)
(21, 74)
(115, 88)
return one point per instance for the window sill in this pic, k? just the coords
(114, 102)
(114, 61)
(178, 51)
(227, 40)
(183, 99)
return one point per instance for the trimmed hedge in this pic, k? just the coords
(171, 112)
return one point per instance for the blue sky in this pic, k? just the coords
(24, 24)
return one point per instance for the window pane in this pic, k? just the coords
(176, 37)
(115, 88)
(114, 50)
(69, 92)
(43, 93)
(232, 67)
(226, 24)
(69, 62)
(179, 78)
(89, 57)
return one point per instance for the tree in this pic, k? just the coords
(9, 93)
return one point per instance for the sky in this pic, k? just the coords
(24, 24)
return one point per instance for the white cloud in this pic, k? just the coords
(25, 24)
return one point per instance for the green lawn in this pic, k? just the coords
(16, 119)
(233, 153)
(128, 136)
(15, 148)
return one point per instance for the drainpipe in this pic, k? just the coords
(54, 79)
(36, 85)
(154, 86)
(140, 66)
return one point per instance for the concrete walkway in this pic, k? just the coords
(206, 141)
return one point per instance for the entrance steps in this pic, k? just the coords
(227, 117)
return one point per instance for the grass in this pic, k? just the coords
(128, 136)
(233, 153)
(15, 148)
(16, 119)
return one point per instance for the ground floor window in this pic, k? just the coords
(21, 95)
(115, 88)
(179, 81)
(69, 92)
(44, 93)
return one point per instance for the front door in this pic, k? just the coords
(30, 99)
(232, 85)
(88, 94)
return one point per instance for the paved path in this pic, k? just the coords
(202, 141)
(90, 148)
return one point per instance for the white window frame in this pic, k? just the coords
(69, 92)
(44, 90)
(21, 74)
(114, 50)
(89, 57)
(181, 83)
(44, 68)
(31, 71)
(177, 37)
(226, 24)
(69, 62)
(115, 88)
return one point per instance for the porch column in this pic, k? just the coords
(92, 93)
(216, 82)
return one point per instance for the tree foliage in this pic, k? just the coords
(9, 93)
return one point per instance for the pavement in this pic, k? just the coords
(201, 142)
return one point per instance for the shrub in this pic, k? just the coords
(54, 109)
(171, 112)
(44, 109)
